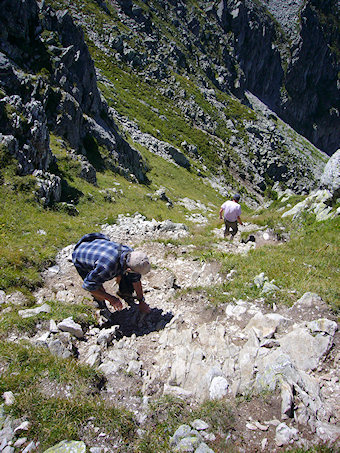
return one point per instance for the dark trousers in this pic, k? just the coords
(230, 225)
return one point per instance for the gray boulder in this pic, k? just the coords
(49, 187)
(330, 178)
(285, 435)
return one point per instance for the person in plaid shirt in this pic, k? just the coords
(97, 260)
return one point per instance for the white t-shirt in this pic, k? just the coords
(231, 210)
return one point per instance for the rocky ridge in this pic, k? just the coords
(56, 91)
(188, 350)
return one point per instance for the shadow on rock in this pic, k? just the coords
(131, 321)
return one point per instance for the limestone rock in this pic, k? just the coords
(285, 435)
(45, 308)
(265, 325)
(330, 178)
(309, 300)
(218, 387)
(106, 335)
(68, 325)
(9, 398)
(318, 202)
(199, 424)
(306, 349)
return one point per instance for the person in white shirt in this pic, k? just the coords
(231, 211)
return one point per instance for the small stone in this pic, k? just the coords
(68, 325)
(20, 442)
(9, 398)
(31, 447)
(218, 387)
(251, 426)
(24, 426)
(260, 426)
(187, 444)
(181, 432)
(199, 424)
(209, 437)
(285, 435)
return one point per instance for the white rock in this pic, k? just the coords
(287, 400)
(305, 349)
(34, 311)
(260, 279)
(106, 335)
(265, 325)
(199, 424)
(177, 391)
(93, 356)
(31, 447)
(285, 435)
(9, 398)
(2, 297)
(20, 442)
(109, 367)
(53, 326)
(323, 325)
(24, 426)
(269, 287)
(68, 325)
(309, 300)
(43, 338)
(330, 178)
(328, 432)
(218, 387)
(261, 426)
(251, 426)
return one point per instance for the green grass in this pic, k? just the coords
(64, 414)
(308, 262)
(13, 322)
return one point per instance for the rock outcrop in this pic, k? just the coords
(330, 178)
(48, 83)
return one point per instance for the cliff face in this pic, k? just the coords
(253, 34)
(313, 105)
(48, 84)
(290, 62)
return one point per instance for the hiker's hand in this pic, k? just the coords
(115, 303)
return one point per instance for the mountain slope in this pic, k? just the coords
(165, 83)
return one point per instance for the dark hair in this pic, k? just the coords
(237, 197)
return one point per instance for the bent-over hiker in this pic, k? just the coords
(231, 211)
(97, 260)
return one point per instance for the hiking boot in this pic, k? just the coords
(106, 314)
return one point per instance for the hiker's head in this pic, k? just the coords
(138, 262)
(237, 197)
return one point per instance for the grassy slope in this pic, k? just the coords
(308, 263)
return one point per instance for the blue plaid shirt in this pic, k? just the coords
(97, 259)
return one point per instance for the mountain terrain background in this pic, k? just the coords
(139, 118)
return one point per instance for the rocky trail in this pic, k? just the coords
(278, 366)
